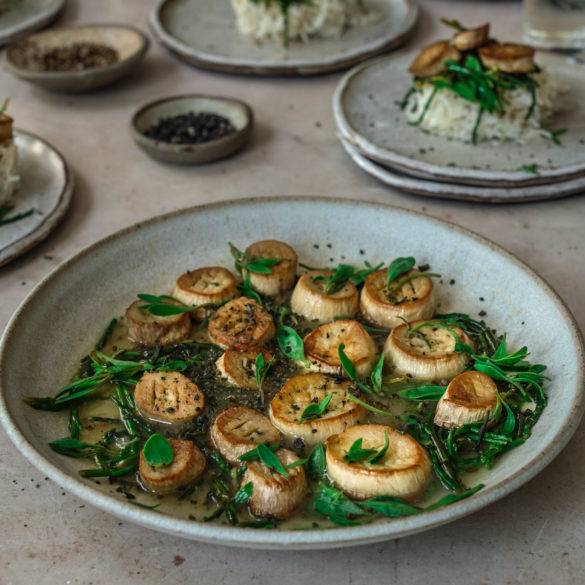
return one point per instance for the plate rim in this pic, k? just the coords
(31, 24)
(50, 221)
(433, 171)
(309, 539)
(370, 167)
(245, 66)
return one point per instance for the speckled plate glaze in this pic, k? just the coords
(367, 113)
(203, 33)
(66, 312)
(24, 16)
(46, 186)
(481, 194)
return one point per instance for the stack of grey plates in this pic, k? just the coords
(376, 135)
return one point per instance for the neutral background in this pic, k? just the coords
(536, 535)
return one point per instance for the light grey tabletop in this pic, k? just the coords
(534, 536)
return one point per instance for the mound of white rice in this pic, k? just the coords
(9, 179)
(452, 116)
(325, 18)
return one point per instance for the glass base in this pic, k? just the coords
(554, 40)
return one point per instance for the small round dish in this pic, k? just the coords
(238, 113)
(20, 18)
(130, 43)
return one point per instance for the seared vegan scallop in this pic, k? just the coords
(275, 495)
(168, 397)
(426, 350)
(240, 324)
(187, 467)
(403, 470)
(322, 347)
(470, 397)
(288, 408)
(239, 429)
(388, 307)
(431, 60)
(206, 286)
(148, 329)
(472, 38)
(311, 299)
(239, 367)
(281, 276)
(507, 57)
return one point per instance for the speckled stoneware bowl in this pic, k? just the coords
(66, 312)
(203, 33)
(130, 43)
(237, 112)
(442, 190)
(367, 112)
(23, 16)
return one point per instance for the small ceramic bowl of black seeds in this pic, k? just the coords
(78, 58)
(192, 129)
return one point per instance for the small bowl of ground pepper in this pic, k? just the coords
(77, 59)
(192, 129)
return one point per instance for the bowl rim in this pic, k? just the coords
(169, 147)
(314, 538)
(139, 52)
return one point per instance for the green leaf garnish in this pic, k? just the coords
(243, 495)
(290, 343)
(367, 406)
(376, 377)
(427, 392)
(390, 507)
(454, 24)
(398, 267)
(4, 220)
(158, 452)
(357, 454)
(245, 288)
(256, 264)
(314, 411)
(316, 463)
(163, 306)
(265, 455)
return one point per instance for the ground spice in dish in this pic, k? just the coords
(190, 128)
(73, 57)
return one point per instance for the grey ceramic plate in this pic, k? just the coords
(46, 187)
(203, 33)
(65, 314)
(368, 115)
(23, 16)
(130, 43)
(440, 189)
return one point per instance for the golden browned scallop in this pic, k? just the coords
(187, 467)
(470, 397)
(404, 471)
(239, 429)
(507, 57)
(282, 276)
(322, 347)
(239, 367)
(426, 352)
(470, 39)
(148, 329)
(289, 403)
(413, 301)
(431, 60)
(310, 299)
(274, 495)
(168, 397)
(241, 324)
(211, 285)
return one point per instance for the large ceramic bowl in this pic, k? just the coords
(64, 315)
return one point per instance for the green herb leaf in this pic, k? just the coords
(317, 463)
(423, 393)
(163, 306)
(377, 375)
(452, 498)
(358, 454)
(105, 336)
(244, 261)
(298, 463)
(243, 495)
(337, 506)
(265, 455)
(398, 267)
(314, 411)
(390, 507)
(11, 219)
(158, 452)
(454, 24)
(290, 343)
(246, 289)
(367, 406)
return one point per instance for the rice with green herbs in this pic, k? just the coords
(443, 112)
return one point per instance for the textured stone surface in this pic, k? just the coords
(534, 536)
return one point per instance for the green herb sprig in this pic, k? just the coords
(316, 410)
(255, 264)
(157, 450)
(357, 454)
(266, 456)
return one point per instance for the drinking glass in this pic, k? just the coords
(555, 23)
